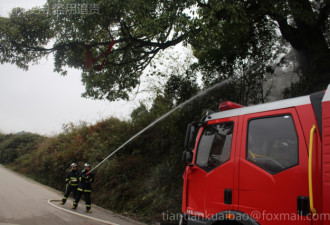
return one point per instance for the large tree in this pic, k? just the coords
(227, 36)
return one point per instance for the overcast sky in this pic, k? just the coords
(41, 101)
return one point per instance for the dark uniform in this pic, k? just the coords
(72, 185)
(84, 187)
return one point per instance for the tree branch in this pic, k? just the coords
(144, 43)
(288, 32)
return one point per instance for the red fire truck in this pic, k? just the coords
(262, 164)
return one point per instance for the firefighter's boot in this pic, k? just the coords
(63, 200)
(75, 204)
(88, 208)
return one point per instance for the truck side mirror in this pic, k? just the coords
(187, 157)
(191, 134)
(189, 143)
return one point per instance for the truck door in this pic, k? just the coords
(273, 169)
(210, 181)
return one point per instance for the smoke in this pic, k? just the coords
(287, 72)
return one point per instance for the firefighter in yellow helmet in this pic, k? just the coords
(86, 178)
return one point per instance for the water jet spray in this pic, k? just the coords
(169, 113)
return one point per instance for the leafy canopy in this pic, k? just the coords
(226, 37)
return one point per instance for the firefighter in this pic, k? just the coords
(86, 178)
(71, 183)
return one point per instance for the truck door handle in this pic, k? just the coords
(303, 205)
(228, 196)
(310, 170)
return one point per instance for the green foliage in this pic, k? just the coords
(225, 35)
(13, 146)
(23, 37)
(178, 89)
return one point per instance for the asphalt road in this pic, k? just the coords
(25, 202)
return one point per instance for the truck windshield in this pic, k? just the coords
(214, 146)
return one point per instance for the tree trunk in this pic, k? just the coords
(314, 60)
(307, 38)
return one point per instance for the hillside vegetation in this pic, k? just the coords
(142, 181)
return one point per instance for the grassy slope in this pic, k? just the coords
(143, 180)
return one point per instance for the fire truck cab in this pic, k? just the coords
(262, 164)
